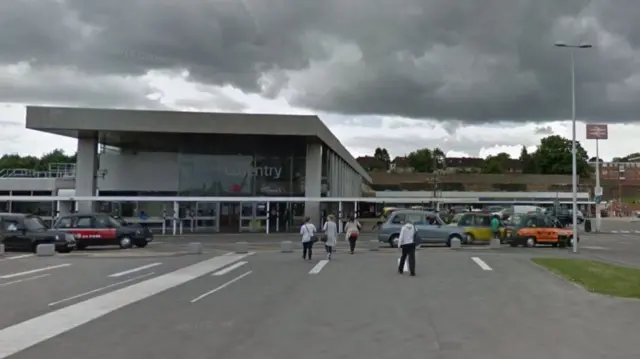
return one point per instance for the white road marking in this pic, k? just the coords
(13, 275)
(24, 280)
(44, 327)
(100, 289)
(614, 231)
(625, 232)
(481, 264)
(20, 256)
(318, 267)
(221, 287)
(595, 248)
(224, 271)
(133, 270)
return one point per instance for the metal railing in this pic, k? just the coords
(55, 170)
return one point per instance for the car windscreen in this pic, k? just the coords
(34, 224)
(108, 220)
(515, 220)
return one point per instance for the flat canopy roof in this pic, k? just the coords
(73, 122)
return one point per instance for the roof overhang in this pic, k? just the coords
(79, 122)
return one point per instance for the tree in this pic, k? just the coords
(553, 156)
(15, 161)
(495, 164)
(421, 160)
(382, 155)
(527, 161)
(427, 160)
(628, 158)
(439, 158)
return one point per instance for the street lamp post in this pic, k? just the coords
(574, 165)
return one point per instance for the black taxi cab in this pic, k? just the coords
(98, 229)
(24, 232)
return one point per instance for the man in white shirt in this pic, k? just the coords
(406, 243)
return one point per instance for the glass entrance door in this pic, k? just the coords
(206, 217)
(229, 217)
(253, 217)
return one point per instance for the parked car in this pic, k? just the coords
(565, 215)
(536, 229)
(477, 227)
(431, 228)
(100, 230)
(24, 232)
(148, 233)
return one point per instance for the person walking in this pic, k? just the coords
(495, 226)
(308, 231)
(407, 245)
(352, 231)
(330, 235)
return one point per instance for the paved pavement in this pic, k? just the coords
(265, 305)
(620, 225)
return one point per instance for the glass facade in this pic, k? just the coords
(241, 175)
(243, 166)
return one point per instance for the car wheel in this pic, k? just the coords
(125, 242)
(530, 242)
(392, 240)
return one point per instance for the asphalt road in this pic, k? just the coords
(470, 303)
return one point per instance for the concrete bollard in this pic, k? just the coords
(242, 247)
(374, 245)
(1, 250)
(455, 243)
(45, 250)
(194, 248)
(495, 243)
(286, 247)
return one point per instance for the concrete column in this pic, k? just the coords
(86, 168)
(335, 182)
(313, 181)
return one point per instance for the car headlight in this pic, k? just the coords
(57, 238)
(138, 232)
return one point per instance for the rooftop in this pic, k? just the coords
(128, 128)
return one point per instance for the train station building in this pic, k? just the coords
(133, 153)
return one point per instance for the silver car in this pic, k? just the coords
(431, 228)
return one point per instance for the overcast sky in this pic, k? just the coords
(472, 77)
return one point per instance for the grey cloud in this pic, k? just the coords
(458, 61)
(543, 130)
(59, 86)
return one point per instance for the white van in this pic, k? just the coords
(519, 209)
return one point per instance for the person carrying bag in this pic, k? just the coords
(308, 233)
(352, 231)
(330, 237)
(407, 241)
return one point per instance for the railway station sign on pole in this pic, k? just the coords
(597, 132)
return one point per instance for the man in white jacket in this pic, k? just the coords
(406, 243)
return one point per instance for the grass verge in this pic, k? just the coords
(596, 276)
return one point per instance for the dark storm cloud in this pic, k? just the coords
(458, 61)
